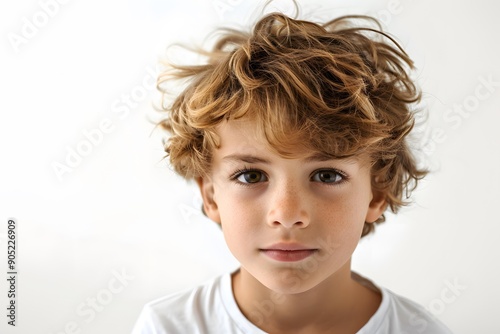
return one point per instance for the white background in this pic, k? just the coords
(120, 209)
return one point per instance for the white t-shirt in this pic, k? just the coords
(211, 308)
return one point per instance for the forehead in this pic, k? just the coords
(243, 137)
(241, 132)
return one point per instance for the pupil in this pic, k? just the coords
(325, 176)
(252, 177)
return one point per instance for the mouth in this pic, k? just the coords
(288, 252)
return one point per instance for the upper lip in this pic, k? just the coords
(288, 246)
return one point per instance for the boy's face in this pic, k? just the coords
(291, 223)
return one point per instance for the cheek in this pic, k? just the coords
(239, 219)
(238, 205)
(344, 208)
(240, 235)
(342, 233)
(343, 218)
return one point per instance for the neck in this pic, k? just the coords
(338, 302)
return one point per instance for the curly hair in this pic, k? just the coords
(338, 88)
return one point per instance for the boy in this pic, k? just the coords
(295, 135)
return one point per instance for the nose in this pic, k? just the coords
(288, 208)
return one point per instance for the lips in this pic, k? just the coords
(288, 252)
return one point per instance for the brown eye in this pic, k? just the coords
(327, 176)
(252, 176)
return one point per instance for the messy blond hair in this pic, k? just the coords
(337, 88)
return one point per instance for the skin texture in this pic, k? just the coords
(320, 204)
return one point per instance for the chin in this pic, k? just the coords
(289, 282)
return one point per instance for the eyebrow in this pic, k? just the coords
(245, 158)
(318, 156)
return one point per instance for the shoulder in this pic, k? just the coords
(188, 311)
(412, 317)
(398, 314)
(208, 308)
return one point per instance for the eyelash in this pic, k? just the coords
(234, 176)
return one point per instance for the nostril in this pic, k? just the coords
(289, 223)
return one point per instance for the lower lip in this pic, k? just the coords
(288, 256)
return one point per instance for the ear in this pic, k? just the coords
(377, 206)
(207, 194)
